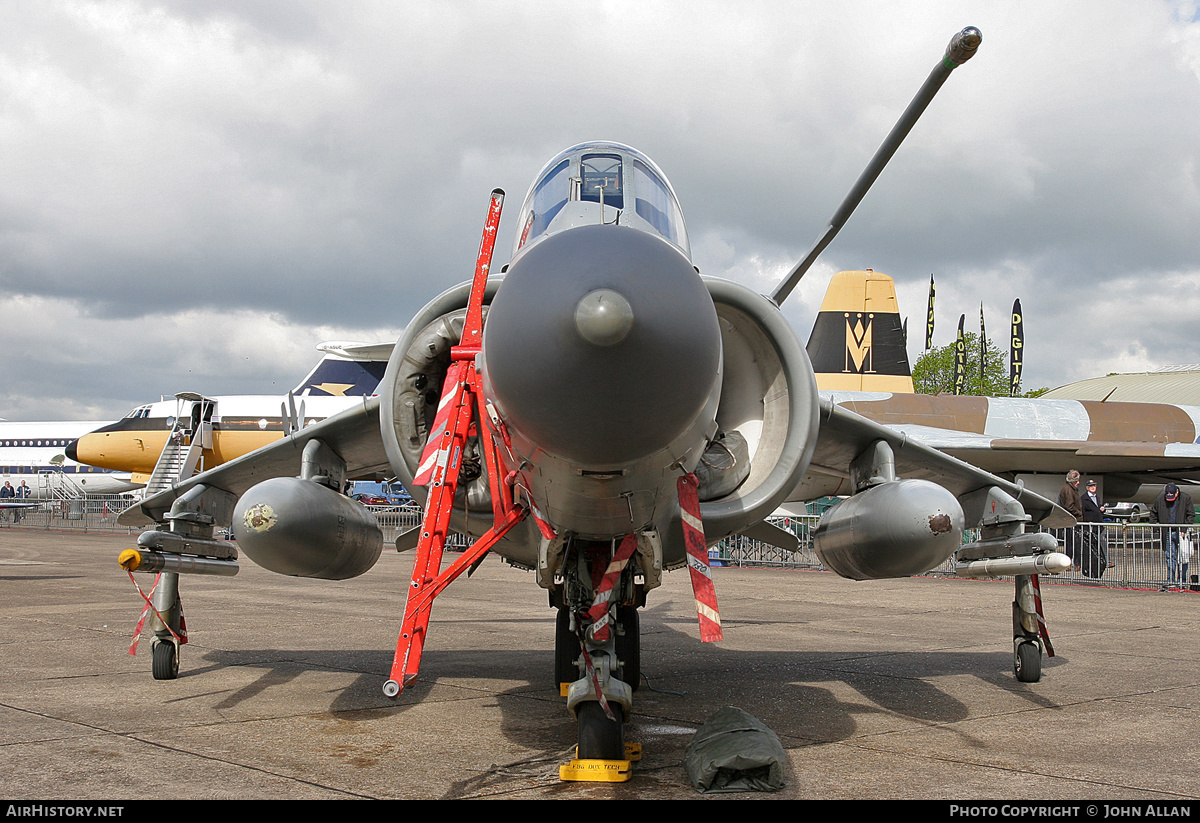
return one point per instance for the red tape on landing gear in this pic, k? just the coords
(180, 638)
(595, 678)
(599, 612)
(1042, 630)
(697, 550)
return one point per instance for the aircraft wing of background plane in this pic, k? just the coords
(1131, 448)
(844, 435)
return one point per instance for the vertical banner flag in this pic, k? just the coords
(1016, 357)
(960, 357)
(982, 349)
(929, 318)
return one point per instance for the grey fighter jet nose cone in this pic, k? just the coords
(603, 317)
(602, 345)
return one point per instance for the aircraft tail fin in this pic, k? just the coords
(857, 342)
(346, 370)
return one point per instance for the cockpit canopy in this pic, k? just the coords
(601, 182)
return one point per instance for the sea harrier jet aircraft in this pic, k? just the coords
(577, 417)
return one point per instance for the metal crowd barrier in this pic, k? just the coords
(1130, 555)
(1116, 555)
(394, 520)
(96, 513)
(740, 550)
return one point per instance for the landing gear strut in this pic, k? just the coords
(596, 654)
(567, 658)
(1028, 630)
(165, 647)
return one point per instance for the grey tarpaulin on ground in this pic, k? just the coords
(734, 752)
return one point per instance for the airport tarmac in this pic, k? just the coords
(881, 689)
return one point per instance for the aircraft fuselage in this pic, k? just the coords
(243, 423)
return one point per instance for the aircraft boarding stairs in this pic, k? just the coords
(58, 486)
(54, 483)
(183, 453)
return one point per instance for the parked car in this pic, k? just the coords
(1133, 512)
(380, 494)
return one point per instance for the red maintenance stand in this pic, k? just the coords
(460, 416)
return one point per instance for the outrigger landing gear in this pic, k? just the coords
(1028, 630)
(164, 650)
(181, 543)
(1005, 548)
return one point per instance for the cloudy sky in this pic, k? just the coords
(195, 193)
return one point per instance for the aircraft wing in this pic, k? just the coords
(353, 434)
(844, 435)
(1129, 443)
(1166, 461)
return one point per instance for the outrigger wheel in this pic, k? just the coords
(1027, 661)
(165, 659)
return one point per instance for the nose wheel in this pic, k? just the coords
(599, 737)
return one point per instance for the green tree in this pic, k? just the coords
(934, 370)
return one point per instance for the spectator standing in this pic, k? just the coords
(1095, 542)
(1170, 508)
(1068, 498)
